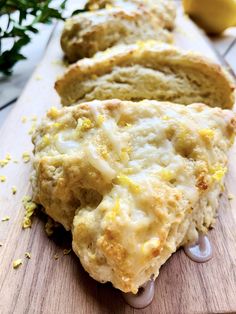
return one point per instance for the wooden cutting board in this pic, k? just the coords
(46, 285)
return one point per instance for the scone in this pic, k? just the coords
(132, 180)
(148, 70)
(118, 22)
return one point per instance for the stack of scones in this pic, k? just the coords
(134, 161)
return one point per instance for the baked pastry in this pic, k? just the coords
(133, 181)
(148, 70)
(118, 22)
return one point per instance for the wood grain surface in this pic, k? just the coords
(46, 285)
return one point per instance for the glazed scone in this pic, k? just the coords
(148, 70)
(134, 181)
(120, 22)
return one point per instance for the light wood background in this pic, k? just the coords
(45, 285)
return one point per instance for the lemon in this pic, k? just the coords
(214, 16)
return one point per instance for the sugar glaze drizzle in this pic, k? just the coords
(201, 251)
(144, 296)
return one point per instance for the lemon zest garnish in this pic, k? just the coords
(104, 153)
(32, 129)
(53, 113)
(115, 211)
(24, 119)
(34, 118)
(218, 172)
(128, 170)
(44, 142)
(148, 43)
(14, 190)
(57, 125)
(126, 181)
(17, 263)
(5, 161)
(6, 218)
(8, 157)
(26, 157)
(166, 174)
(83, 124)
(108, 6)
(3, 178)
(29, 207)
(100, 119)
(206, 134)
(124, 156)
(28, 255)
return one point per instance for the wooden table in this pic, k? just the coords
(46, 285)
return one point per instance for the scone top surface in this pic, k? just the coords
(147, 70)
(132, 180)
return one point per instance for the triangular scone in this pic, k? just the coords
(140, 178)
(119, 22)
(148, 70)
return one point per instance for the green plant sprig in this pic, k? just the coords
(19, 29)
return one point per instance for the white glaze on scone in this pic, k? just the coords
(135, 182)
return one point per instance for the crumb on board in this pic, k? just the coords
(8, 156)
(33, 127)
(38, 77)
(6, 218)
(14, 190)
(5, 161)
(230, 196)
(24, 119)
(53, 112)
(15, 161)
(29, 207)
(56, 256)
(28, 255)
(34, 118)
(1, 244)
(3, 178)
(17, 263)
(66, 251)
(49, 227)
(26, 157)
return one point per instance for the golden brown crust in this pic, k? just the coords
(137, 179)
(147, 70)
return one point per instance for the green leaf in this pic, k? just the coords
(79, 11)
(18, 11)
